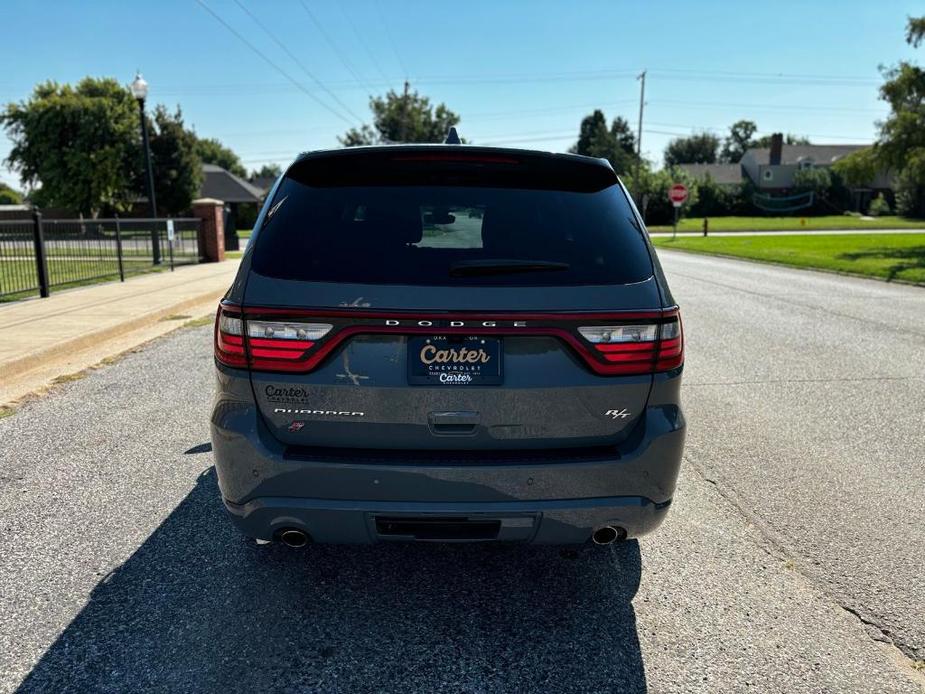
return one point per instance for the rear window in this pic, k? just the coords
(470, 230)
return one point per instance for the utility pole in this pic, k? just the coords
(642, 104)
(404, 114)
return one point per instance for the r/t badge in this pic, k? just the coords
(617, 414)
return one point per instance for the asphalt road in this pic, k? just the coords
(800, 508)
(806, 393)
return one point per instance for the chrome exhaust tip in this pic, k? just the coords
(607, 534)
(292, 537)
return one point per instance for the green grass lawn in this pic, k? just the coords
(244, 233)
(835, 221)
(887, 256)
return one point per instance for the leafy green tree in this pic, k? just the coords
(714, 200)
(617, 143)
(177, 167)
(407, 117)
(653, 188)
(77, 146)
(915, 31)
(858, 168)
(901, 147)
(9, 196)
(211, 151)
(738, 141)
(701, 148)
(267, 171)
(816, 179)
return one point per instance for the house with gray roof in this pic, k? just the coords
(223, 185)
(234, 191)
(773, 168)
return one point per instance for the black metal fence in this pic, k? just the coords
(39, 255)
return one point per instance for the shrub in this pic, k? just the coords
(878, 207)
(714, 200)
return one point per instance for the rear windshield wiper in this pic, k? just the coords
(470, 268)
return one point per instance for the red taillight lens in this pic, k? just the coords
(670, 345)
(271, 345)
(229, 338)
(637, 348)
(283, 346)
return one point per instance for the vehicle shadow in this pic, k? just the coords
(911, 258)
(198, 607)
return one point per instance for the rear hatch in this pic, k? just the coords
(436, 298)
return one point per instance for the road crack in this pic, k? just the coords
(777, 546)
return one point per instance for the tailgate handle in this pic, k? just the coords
(453, 423)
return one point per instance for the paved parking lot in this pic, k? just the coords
(791, 560)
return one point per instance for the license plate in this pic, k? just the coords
(448, 360)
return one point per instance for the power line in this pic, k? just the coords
(796, 107)
(852, 138)
(738, 74)
(269, 62)
(388, 35)
(327, 37)
(362, 42)
(298, 62)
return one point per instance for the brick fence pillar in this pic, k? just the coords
(212, 229)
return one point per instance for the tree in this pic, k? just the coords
(715, 200)
(700, 148)
(738, 141)
(211, 151)
(617, 144)
(407, 117)
(915, 31)
(79, 144)
(858, 168)
(9, 196)
(177, 167)
(901, 146)
(815, 179)
(267, 171)
(653, 192)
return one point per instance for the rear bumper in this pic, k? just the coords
(536, 498)
(568, 521)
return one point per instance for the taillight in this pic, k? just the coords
(240, 341)
(638, 348)
(229, 338)
(670, 345)
(298, 340)
(276, 345)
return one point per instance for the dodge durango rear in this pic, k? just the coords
(448, 343)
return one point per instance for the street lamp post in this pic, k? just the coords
(140, 92)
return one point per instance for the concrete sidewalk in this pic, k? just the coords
(44, 339)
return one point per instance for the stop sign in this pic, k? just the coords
(677, 193)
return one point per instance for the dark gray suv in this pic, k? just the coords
(448, 343)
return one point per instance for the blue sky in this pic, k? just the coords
(519, 73)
